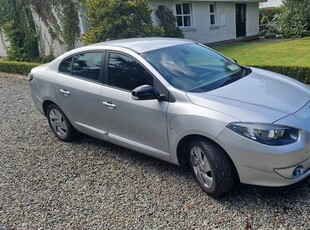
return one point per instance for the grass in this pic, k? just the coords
(284, 52)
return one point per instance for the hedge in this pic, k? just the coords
(299, 73)
(17, 67)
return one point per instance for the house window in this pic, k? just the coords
(183, 14)
(212, 14)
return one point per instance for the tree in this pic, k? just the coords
(295, 19)
(116, 19)
(17, 23)
(167, 21)
(269, 13)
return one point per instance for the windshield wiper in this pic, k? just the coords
(245, 72)
(228, 81)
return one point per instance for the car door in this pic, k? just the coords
(78, 86)
(137, 124)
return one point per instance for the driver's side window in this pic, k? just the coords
(126, 73)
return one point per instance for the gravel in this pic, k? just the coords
(91, 184)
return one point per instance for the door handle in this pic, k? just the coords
(65, 92)
(109, 104)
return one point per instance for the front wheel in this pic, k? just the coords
(212, 168)
(59, 123)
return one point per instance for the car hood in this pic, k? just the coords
(262, 96)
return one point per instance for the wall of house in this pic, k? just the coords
(204, 32)
(47, 45)
(252, 15)
(3, 45)
(225, 28)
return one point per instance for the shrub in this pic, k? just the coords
(47, 59)
(299, 73)
(268, 21)
(16, 67)
(295, 19)
(269, 29)
(269, 13)
(17, 23)
(110, 19)
(167, 21)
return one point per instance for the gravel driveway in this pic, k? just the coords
(90, 184)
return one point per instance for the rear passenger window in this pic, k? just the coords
(66, 66)
(87, 65)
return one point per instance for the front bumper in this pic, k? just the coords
(273, 166)
(263, 165)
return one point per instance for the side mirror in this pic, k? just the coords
(145, 92)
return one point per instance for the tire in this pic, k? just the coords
(59, 123)
(212, 168)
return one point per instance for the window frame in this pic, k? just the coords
(214, 14)
(190, 15)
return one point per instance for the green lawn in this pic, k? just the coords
(282, 52)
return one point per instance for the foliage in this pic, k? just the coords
(167, 21)
(269, 29)
(297, 72)
(47, 58)
(115, 19)
(268, 21)
(269, 13)
(61, 18)
(17, 23)
(295, 19)
(17, 67)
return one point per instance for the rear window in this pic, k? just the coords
(84, 65)
(66, 66)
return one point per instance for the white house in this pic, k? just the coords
(214, 21)
(202, 21)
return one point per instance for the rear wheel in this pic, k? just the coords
(59, 123)
(212, 168)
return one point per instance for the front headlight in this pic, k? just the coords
(268, 134)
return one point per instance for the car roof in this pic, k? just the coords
(142, 45)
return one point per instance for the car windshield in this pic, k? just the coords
(194, 67)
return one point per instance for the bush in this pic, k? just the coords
(47, 59)
(111, 19)
(295, 19)
(299, 73)
(167, 21)
(269, 29)
(268, 22)
(16, 67)
(268, 14)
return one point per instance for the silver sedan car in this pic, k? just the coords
(182, 102)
